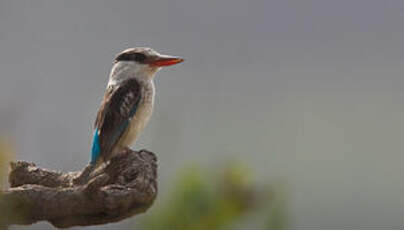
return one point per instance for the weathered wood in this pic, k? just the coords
(125, 187)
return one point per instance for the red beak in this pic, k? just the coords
(165, 60)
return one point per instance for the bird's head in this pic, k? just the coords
(142, 62)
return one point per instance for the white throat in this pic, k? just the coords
(124, 70)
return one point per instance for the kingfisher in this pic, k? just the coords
(128, 101)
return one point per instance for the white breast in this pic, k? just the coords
(141, 117)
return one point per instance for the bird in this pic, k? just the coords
(128, 101)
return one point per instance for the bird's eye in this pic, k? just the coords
(139, 57)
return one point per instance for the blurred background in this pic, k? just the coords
(303, 96)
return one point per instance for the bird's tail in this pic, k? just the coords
(96, 149)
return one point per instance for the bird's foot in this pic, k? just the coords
(83, 177)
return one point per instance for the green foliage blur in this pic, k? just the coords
(225, 199)
(5, 156)
(8, 208)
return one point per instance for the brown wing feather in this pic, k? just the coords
(118, 107)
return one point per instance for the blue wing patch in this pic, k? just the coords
(113, 118)
(96, 150)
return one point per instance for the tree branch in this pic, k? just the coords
(125, 187)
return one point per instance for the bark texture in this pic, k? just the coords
(125, 187)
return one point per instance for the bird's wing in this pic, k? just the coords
(118, 107)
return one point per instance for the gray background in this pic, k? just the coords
(307, 92)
